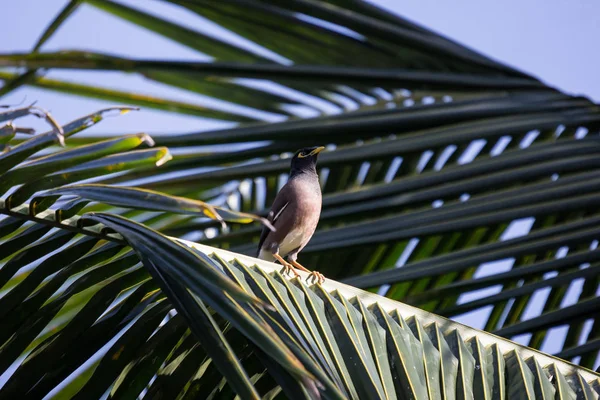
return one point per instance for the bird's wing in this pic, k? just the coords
(278, 212)
(280, 204)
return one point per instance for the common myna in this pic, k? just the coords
(294, 214)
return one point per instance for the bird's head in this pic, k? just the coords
(305, 160)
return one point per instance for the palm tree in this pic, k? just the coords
(453, 183)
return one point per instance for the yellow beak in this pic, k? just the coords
(317, 150)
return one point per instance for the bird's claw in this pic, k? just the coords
(289, 270)
(315, 277)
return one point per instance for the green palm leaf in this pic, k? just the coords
(451, 182)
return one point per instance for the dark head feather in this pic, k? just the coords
(305, 160)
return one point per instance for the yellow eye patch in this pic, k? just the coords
(312, 153)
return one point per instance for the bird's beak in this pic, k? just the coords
(317, 150)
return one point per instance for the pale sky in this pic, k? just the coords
(556, 40)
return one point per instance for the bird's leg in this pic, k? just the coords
(287, 268)
(314, 275)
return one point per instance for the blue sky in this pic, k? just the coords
(557, 40)
(553, 40)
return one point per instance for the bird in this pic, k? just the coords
(294, 214)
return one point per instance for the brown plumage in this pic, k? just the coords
(294, 214)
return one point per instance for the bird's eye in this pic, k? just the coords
(302, 155)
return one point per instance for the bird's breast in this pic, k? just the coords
(298, 221)
(309, 210)
(306, 218)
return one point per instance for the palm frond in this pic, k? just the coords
(261, 332)
(452, 182)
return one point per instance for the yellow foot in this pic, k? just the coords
(312, 275)
(287, 267)
(289, 270)
(315, 276)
